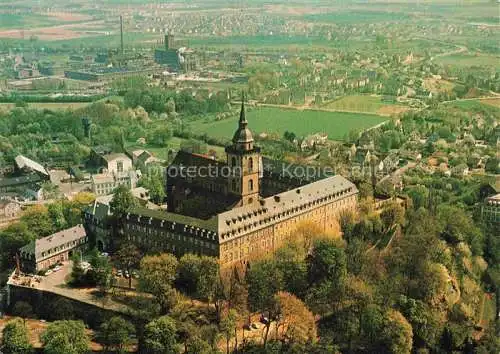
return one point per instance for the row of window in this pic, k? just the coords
(65, 246)
(281, 215)
(169, 245)
(282, 230)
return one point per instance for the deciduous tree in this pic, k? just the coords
(128, 256)
(160, 336)
(122, 201)
(397, 333)
(295, 319)
(157, 274)
(65, 337)
(115, 334)
(15, 338)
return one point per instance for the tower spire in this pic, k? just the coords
(242, 139)
(243, 119)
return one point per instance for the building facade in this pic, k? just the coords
(59, 247)
(246, 208)
(9, 210)
(106, 183)
(490, 210)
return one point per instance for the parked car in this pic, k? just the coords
(135, 274)
(49, 271)
(56, 268)
(127, 275)
(264, 319)
(119, 273)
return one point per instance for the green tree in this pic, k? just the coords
(188, 272)
(154, 182)
(197, 345)
(65, 337)
(128, 257)
(327, 262)
(60, 309)
(122, 201)
(290, 262)
(56, 214)
(101, 271)
(397, 333)
(393, 214)
(170, 106)
(116, 334)
(327, 273)
(15, 339)
(50, 191)
(264, 281)
(22, 309)
(12, 238)
(198, 276)
(160, 136)
(132, 98)
(228, 326)
(157, 274)
(38, 220)
(160, 336)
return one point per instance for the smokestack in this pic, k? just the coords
(121, 33)
(169, 41)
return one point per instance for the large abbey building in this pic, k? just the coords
(233, 210)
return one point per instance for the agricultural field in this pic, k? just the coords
(274, 42)
(467, 60)
(48, 105)
(495, 102)
(437, 85)
(9, 21)
(365, 104)
(277, 121)
(347, 17)
(491, 104)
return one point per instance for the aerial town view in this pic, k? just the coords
(204, 177)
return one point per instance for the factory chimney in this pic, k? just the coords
(121, 34)
(169, 41)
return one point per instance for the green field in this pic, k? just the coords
(10, 21)
(364, 103)
(302, 123)
(358, 16)
(49, 105)
(465, 60)
(274, 42)
(475, 105)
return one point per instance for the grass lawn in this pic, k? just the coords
(364, 103)
(302, 123)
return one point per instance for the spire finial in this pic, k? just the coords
(243, 118)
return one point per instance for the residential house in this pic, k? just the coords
(9, 210)
(106, 183)
(59, 247)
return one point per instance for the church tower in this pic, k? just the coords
(244, 159)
